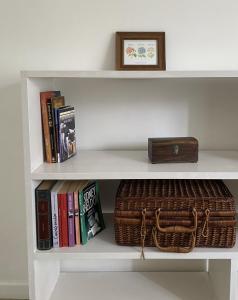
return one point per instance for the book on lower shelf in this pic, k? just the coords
(91, 218)
(58, 127)
(68, 213)
(43, 215)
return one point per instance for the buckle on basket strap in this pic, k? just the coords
(175, 229)
(143, 233)
(205, 229)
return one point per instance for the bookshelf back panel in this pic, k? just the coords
(122, 114)
(154, 265)
(108, 189)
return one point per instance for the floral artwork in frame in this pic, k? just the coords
(140, 51)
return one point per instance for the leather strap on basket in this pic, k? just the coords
(143, 233)
(205, 229)
(175, 229)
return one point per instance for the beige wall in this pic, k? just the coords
(77, 34)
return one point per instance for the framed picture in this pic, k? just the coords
(140, 51)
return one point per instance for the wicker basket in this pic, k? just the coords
(175, 215)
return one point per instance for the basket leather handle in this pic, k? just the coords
(176, 228)
(171, 248)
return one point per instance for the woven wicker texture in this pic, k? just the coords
(171, 209)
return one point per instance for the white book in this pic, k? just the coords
(55, 214)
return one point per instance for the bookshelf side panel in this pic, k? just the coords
(33, 115)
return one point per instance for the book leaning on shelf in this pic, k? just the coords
(58, 127)
(68, 213)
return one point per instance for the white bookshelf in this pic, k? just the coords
(135, 165)
(115, 116)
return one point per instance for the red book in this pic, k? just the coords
(63, 215)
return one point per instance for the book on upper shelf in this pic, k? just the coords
(52, 104)
(66, 128)
(44, 97)
(58, 127)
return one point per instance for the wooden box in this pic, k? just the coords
(174, 150)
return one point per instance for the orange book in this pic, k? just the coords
(44, 96)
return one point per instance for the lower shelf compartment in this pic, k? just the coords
(133, 285)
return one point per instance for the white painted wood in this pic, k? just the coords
(120, 114)
(33, 117)
(46, 268)
(32, 157)
(46, 277)
(234, 280)
(132, 74)
(135, 165)
(103, 246)
(29, 186)
(133, 285)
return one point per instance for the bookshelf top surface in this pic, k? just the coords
(130, 74)
(135, 165)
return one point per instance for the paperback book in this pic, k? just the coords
(66, 127)
(91, 218)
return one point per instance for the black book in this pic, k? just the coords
(66, 128)
(43, 215)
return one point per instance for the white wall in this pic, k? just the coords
(77, 34)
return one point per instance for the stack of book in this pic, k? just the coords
(58, 126)
(68, 213)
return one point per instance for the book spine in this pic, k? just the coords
(46, 131)
(64, 215)
(71, 219)
(51, 130)
(84, 237)
(99, 206)
(43, 220)
(55, 219)
(76, 218)
(60, 219)
(57, 134)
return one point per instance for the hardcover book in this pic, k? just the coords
(66, 127)
(52, 104)
(44, 96)
(43, 215)
(91, 218)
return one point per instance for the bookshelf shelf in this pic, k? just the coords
(134, 285)
(131, 74)
(121, 114)
(103, 246)
(135, 165)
